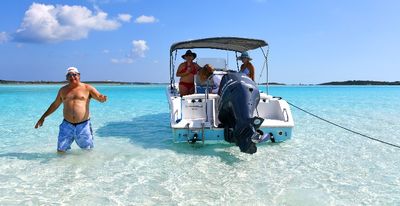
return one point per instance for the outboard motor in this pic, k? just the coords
(239, 97)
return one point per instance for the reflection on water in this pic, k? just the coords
(153, 131)
(42, 157)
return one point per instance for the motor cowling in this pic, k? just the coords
(239, 97)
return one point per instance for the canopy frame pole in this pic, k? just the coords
(237, 62)
(171, 81)
(172, 68)
(266, 66)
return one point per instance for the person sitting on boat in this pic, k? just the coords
(247, 67)
(204, 75)
(186, 72)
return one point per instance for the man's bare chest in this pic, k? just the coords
(76, 95)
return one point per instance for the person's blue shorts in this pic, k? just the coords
(80, 132)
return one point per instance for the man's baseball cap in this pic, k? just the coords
(72, 70)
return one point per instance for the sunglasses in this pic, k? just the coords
(72, 74)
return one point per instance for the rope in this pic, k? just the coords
(350, 130)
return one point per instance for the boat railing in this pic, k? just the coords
(286, 115)
(209, 79)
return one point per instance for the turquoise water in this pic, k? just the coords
(135, 162)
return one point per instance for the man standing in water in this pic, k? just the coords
(75, 97)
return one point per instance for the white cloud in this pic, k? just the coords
(122, 61)
(146, 19)
(106, 51)
(4, 37)
(48, 23)
(107, 1)
(124, 17)
(139, 47)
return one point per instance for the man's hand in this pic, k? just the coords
(39, 123)
(102, 98)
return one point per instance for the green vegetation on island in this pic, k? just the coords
(272, 83)
(361, 82)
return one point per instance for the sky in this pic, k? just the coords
(309, 41)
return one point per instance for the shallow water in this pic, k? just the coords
(135, 162)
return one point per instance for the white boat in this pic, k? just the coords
(197, 117)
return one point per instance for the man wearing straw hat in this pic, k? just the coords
(75, 96)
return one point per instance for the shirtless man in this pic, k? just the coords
(75, 97)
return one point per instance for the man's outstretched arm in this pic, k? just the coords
(96, 95)
(53, 107)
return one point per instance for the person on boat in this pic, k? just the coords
(204, 75)
(247, 67)
(186, 72)
(75, 97)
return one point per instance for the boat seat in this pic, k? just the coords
(194, 107)
(200, 87)
(199, 96)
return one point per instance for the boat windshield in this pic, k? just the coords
(217, 63)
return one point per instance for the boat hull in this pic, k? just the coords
(216, 135)
(194, 118)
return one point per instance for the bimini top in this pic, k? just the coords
(224, 43)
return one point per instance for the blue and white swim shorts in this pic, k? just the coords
(80, 132)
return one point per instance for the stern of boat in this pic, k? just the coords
(278, 119)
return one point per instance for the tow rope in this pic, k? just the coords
(340, 126)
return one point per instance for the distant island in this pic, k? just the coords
(272, 83)
(361, 82)
(348, 82)
(65, 82)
